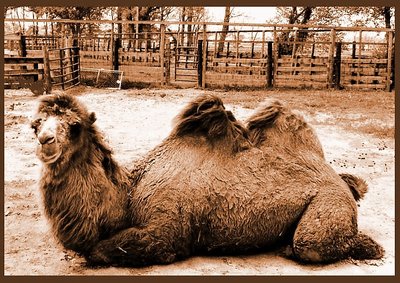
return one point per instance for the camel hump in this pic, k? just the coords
(204, 115)
(358, 186)
(265, 116)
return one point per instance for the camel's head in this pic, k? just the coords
(59, 124)
(207, 118)
(275, 124)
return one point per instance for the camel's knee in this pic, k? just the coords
(318, 240)
(307, 252)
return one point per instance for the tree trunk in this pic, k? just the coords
(225, 29)
(387, 15)
(287, 48)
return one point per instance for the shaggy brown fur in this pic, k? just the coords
(275, 126)
(84, 191)
(206, 117)
(357, 185)
(205, 188)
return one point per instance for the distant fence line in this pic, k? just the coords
(268, 56)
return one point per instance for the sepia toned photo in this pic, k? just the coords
(198, 140)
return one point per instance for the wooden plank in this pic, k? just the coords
(389, 59)
(367, 77)
(233, 67)
(302, 69)
(302, 77)
(304, 60)
(23, 60)
(296, 84)
(364, 69)
(364, 61)
(95, 53)
(331, 59)
(364, 81)
(238, 60)
(162, 54)
(227, 76)
(23, 72)
(205, 51)
(365, 86)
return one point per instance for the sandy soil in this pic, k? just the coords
(134, 121)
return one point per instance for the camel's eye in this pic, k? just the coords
(75, 129)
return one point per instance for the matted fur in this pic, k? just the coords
(275, 125)
(206, 116)
(357, 185)
(205, 189)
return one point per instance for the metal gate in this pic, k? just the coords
(186, 63)
(64, 66)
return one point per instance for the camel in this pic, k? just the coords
(209, 187)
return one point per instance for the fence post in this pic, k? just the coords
(275, 56)
(46, 69)
(389, 61)
(162, 54)
(62, 68)
(167, 61)
(22, 46)
(331, 60)
(337, 66)
(75, 61)
(204, 63)
(116, 44)
(200, 63)
(269, 70)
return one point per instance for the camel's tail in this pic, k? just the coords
(358, 186)
(365, 247)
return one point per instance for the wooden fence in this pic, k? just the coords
(43, 70)
(22, 71)
(264, 56)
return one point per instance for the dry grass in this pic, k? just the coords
(369, 112)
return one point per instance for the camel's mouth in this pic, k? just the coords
(48, 153)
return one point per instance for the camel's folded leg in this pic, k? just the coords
(328, 231)
(135, 247)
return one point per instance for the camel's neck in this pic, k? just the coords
(87, 200)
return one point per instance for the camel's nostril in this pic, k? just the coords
(46, 139)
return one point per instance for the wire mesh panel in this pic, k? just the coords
(111, 79)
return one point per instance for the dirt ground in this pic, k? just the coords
(134, 121)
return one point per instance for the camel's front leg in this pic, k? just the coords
(136, 247)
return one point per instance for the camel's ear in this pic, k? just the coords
(92, 118)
